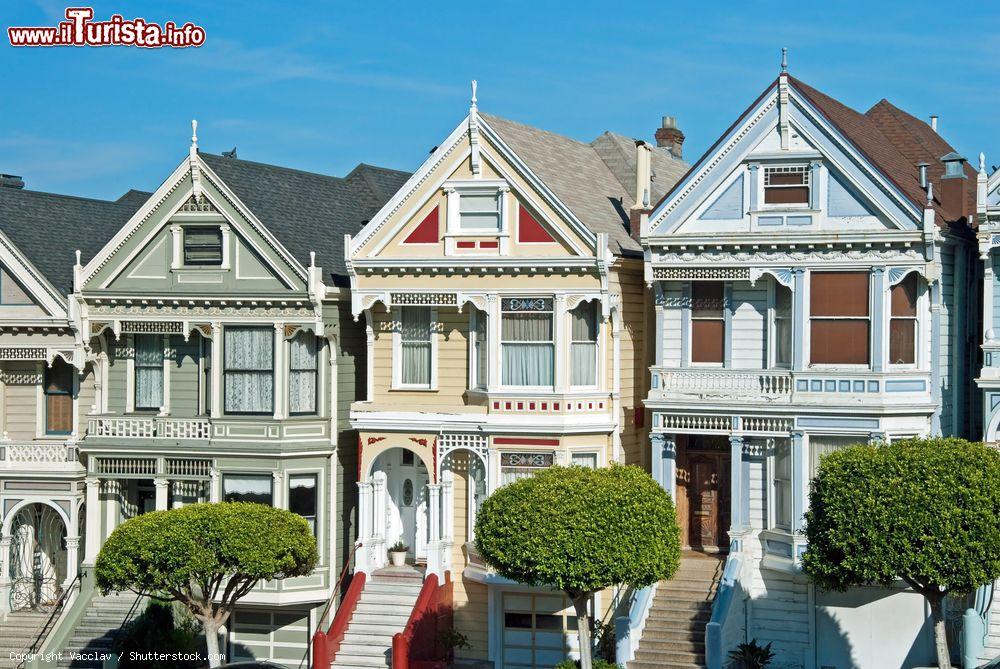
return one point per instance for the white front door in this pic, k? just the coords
(406, 483)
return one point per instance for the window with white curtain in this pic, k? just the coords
(584, 344)
(148, 371)
(302, 373)
(479, 349)
(248, 370)
(415, 346)
(782, 483)
(526, 341)
(782, 325)
(821, 445)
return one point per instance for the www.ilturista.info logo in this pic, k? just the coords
(81, 30)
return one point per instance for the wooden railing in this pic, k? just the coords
(326, 644)
(420, 644)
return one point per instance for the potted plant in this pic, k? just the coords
(397, 554)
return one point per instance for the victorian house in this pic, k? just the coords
(46, 389)
(814, 280)
(205, 337)
(502, 296)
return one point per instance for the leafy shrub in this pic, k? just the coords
(598, 663)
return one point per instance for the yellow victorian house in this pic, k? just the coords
(502, 293)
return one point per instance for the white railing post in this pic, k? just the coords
(365, 557)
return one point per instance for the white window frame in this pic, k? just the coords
(598, 461)
(803, 168)
(596, 306)
(133, 372)
(476, 383)
(772, 515)
(555, 313)
(726, 323)
(772, 324)
(320, 531)
(456, 189)
(397, 351)
(918, 325)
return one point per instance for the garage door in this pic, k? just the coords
(282, 636)
(539, 631)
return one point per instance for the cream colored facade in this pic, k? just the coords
(467, 426)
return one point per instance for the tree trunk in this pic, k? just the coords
(940, 633)
(211, 628)
(580, 601)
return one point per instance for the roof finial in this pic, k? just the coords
(194, 134)
(784, 59)
(930, 194)
(475, 85)
(982, 161)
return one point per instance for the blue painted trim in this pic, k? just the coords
(813, 184)
(800, 480)
(765, 221)
(685, 324)
(728, 307)
(754, 177)
(799, 220)
(802, 384)
(877, 283)
(799, 321)
(834, 422)
(905, 386)
(736, 480)
(714, 652)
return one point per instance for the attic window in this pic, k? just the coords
(786, 185)
(203, 246)
(479, 211)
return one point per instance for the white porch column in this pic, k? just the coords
(434, 512)
(800, 480)
(448, 506)
(988, 279)
(365, 516)
(72, 559)
(280, 386)
(278, 492)
(213, 485)
(93, 543)
(4, 573)
(664, 462)
(561, 339)
(800, 318)
(162, 493)
(217, 365)
(738, 522)
(380, 511)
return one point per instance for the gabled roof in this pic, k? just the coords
(48, 229)
(308, 211)
(594, 180)
(895, 142)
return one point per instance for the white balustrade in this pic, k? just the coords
(727, 382)
(36, 453)
(140, 427)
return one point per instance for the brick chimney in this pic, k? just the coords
(669, 136)
(11, 181)
(954, 186)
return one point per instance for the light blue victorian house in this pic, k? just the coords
(813, 278)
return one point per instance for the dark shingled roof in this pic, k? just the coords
(49, 228)
(308, 211)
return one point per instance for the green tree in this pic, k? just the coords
(921, 510)
(206, 556)
(581, 530)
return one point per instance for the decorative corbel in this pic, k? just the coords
(782, 275)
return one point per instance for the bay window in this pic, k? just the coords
(480, 352)
(302, 373)
(782, 484)
(584, 344)
(148, 372)
(903, 322)
(58, 390)
(839, 319)
(415, 346)
(256, 488)
(303, 497)
(782, 326)
(248, 371)
(526, 342)
(786, 185)
(708, 322)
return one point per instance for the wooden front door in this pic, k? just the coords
(703, 496)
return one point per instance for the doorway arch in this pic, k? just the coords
(38, 557)
(405, 479)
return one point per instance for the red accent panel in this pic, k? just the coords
(520, 441)
(489, 245)
(465, 245)
(529, 230)
(428, 232)
(335, 635)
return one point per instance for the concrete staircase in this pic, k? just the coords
(384, 607)
(17, 631)
(96, 630)
(674, 636)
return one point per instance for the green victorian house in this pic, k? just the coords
(215, 329)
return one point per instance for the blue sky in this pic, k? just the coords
(323, 86)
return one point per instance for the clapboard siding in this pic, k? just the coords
(780, 614)
(628, 281)
(672, 309)
(21, 397)
(749, 318)
(351, 379)
(471, 599)
(184, 373)
(758, 493)
(948, 334)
